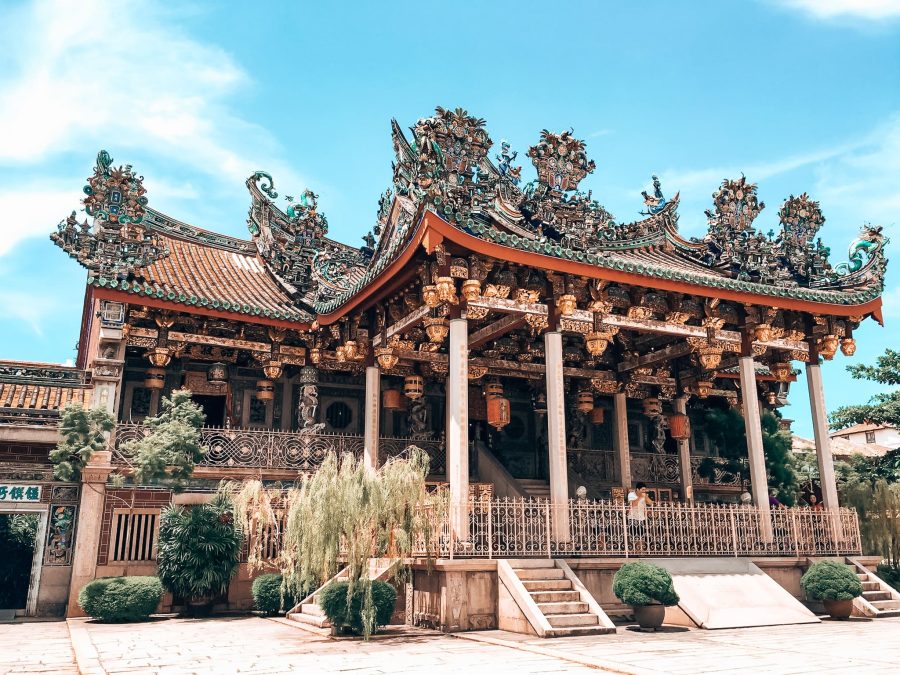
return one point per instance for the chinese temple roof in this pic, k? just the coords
(446, 183)
(27, 387)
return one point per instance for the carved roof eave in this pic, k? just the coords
(863, 301)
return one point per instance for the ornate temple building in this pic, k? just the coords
(534, 345)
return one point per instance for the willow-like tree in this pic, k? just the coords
(83, 431)
(172, 448)
(341, 516)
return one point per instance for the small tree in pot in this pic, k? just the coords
(834, 584)
(198, 552)
(648, 589)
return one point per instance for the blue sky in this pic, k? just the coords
(800, 95)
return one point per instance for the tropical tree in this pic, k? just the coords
(83, 431)
(172, 448)
(726, 429)
(883, 408)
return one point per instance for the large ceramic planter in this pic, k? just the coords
(649, 616)
(839, 609)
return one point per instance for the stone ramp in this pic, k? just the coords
(732, 593)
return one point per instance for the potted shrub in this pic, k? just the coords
(834, 584)
(120, 599)
(648, 589)
(198, 552)
(268, 595)
(358, 611)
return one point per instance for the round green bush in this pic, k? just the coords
(333, 599)
(830, 580)
(640, 583)
(267, 594)
(117, 599)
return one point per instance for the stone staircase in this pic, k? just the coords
(534, 488)
(311, 616)
(552, 598)
(878, 599)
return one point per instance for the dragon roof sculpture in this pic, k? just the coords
(445, 167)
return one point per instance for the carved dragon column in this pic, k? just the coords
(372, 413)
(458, 428)
(556, 435)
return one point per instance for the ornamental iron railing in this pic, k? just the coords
(269, 449)
(520, 528)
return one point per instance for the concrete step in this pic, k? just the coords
(555, 596)
(313, 609)
(882, 605)
(320, 625)
(539, 573)
(870, 586)
(575, 631)
(532, 563)
(875, 596)
(862, 577)
(534, 585)
(570, 620)
(555, 608)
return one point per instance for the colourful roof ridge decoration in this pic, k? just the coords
(292, 243)
(118, 243)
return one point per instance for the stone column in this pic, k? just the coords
(458, 428)
(820, 431)
(87, 534)
(620, 434)
(372, 414)
(684, 457)
(556, 435)
(758, 481)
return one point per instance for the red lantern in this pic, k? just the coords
(393, 399)
(498, 412)
(680, 427)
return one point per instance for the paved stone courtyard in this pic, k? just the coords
(254, 645)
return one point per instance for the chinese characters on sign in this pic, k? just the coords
(20, 493)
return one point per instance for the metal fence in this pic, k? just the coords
(520, 528)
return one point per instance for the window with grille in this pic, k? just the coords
(133, 535)
(870, 437)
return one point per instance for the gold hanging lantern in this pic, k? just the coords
(771, 397)
(217, 373)
(493, 389)
(160, 356)
(704, 388)
(315, 355)
(393, 399)
(265, 390)
(652, 407)
(597, 415)
(566, 304)
(471, 289)
(781, 370)
(155, 378)
(828, 346)
(430, 296)
(763, 332)
(585, 401)
(710, 356)
(498, 412)
(414, 387)
(437, 329)
(446, 290)
(680, 427)
(387, 359)
(273, 370)
(848, 346)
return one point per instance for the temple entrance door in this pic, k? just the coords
(213, 408)
(23, 529)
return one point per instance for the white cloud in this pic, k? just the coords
(872, 10)
(120, 75)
